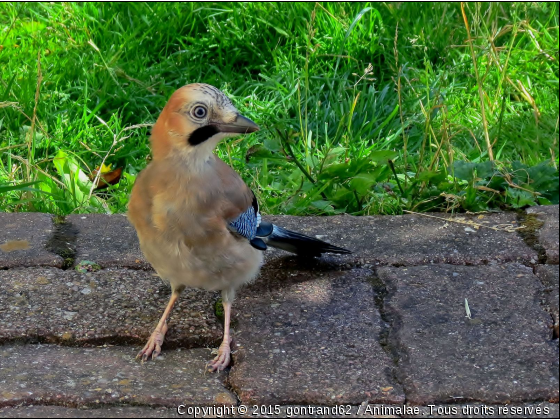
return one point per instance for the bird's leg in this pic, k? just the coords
(153, 346)
(221, 361)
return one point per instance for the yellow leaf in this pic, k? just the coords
(105, 168)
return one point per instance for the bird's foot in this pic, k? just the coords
(153, 346)
(221, 361)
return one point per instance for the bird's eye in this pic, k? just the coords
(199, 112)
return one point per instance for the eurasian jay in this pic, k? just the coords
(197, 222)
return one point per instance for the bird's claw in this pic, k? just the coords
(153, 346)
(221, 361)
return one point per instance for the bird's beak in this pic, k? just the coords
(240, 125)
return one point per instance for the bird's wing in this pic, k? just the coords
(241, 208)
(198, 211)
(246, 223)
(238, 206)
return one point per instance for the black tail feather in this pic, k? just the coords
(300, 244)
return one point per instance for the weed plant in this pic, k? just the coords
(365, 108)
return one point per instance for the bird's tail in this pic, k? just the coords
(300, 244)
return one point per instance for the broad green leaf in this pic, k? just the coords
(519, 198)
(435, 177)
(464, 170)
(273, 144)
(484, 169)
(382, 155)
(362, 182)
(261, 152)
(323, 205)
(340, 170)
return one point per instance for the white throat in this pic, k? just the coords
(197, 157)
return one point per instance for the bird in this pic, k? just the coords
(197, 222)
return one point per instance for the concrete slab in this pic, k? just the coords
(483, 411)
(549, 275)
(502, 354)
(110, 412)
(341, 411)
(112, 306)
(311, 337)
(110, 240)
(414, 239)
(107, 239)
(307, 332)
(78, 377)
(547, 235)
(187, 412)
(370, 411)
(24, 238)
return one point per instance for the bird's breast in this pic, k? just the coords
(181, 218)
(203, 266)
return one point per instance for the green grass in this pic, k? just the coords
(365, 108)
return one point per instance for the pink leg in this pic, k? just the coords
(153, 347)
(221, 361)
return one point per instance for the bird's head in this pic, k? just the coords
(195, 119)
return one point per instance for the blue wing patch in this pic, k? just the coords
(247, 223)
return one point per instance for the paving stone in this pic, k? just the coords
(548, 234)
(107, 239)
(78, 377)
(483, 411)
(549, 275)
(24, 238)
(413, 239)
(502, 354)
(369, 411)
(311, 337)
(112, 306)
(341, 411)
(58, 412)
(219, 411)
(111, 241)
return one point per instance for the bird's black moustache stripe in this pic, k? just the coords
(200, 135)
